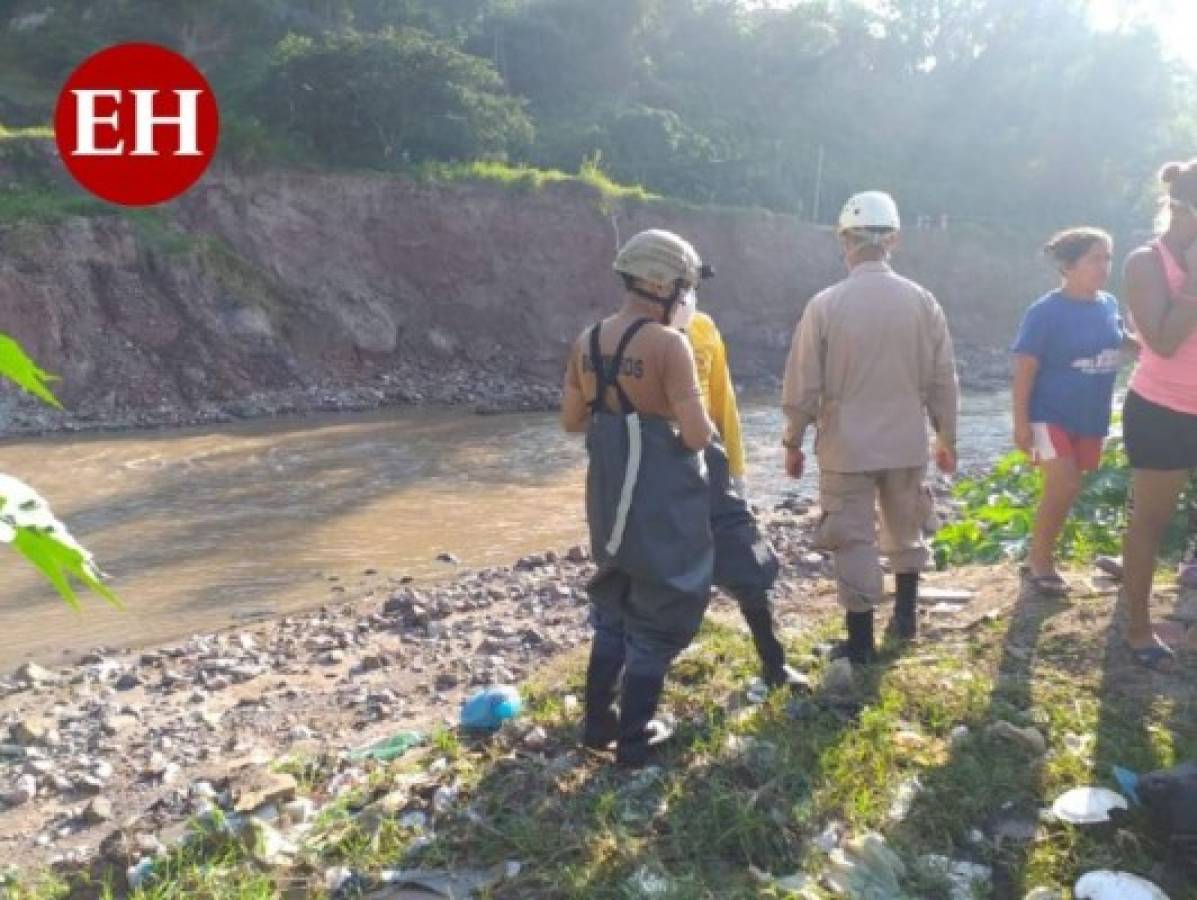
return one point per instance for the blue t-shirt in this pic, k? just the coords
(1079, 347)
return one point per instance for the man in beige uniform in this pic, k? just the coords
(870, 360)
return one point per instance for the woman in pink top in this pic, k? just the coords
(1160, 417)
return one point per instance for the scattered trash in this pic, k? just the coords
(866, 869)
(946, 594)
(443, 799)
(1106, 885)
(648, 882)
(965, 877)
(1087, 805)
(137, 875)
(415, 820)
(1128, 783)
(829, 838)
(1028, 738)
(796, 884)
(337, 878)
(389, 748)
(536, 738)
(452, 885)
(757, 691)
(1043, 893)
(908, 792)
(489, 708)
(958, 735)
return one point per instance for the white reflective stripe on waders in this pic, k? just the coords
(632, 421)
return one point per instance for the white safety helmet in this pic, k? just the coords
(661, 257)
(873, 211)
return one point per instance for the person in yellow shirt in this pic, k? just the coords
(745, 565)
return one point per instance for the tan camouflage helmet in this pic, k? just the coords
(661, 257)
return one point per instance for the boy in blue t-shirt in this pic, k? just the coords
(1066, 359)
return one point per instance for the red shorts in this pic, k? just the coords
(1054, 442)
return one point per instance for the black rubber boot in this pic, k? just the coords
(774, 671)
(638, 732)
(768, 647)
(860, 647)
(601, 728)
(905, 623)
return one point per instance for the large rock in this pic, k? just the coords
(31, 731)
(32, 673)
(258, 787)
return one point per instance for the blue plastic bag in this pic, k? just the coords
(490, 708)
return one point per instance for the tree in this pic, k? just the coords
(379, 99)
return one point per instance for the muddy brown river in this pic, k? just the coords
(201, 528)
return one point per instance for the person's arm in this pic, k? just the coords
(685, 396)
(724, 410)
(943, 397)
(575, 413)
(802, 387)
(1163, 324)
(1026, 367)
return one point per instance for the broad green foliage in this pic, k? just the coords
(16, 366)
(390, 98)
(992, 112)
(998, 513)
(26, 521)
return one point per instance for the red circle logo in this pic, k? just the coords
(136, 124)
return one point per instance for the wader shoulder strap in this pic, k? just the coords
(606, 376)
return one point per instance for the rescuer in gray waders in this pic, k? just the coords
(631, 386)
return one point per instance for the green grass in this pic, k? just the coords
(720, 803)
(45, 205)
(529, 179)
(35, 132)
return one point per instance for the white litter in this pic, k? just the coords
(1106, 885)
(1088, 805)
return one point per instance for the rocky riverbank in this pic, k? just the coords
(103, 763)
(483, 391)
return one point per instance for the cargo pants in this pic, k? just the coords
(848, 529)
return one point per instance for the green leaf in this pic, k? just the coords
(16, 366)
(60, 560)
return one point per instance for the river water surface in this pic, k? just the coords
(200, 528)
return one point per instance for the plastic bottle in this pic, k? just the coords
(490, 708)
(389, 748)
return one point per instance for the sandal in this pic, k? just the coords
(1049, 585)
(1157, 657)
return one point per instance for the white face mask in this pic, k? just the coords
(683, 311)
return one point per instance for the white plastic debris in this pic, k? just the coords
(964, 877)
(791, 883)
(1106, 885)
(647, 882)
(908, 792)
(1087, 805)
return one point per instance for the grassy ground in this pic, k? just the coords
(752, 786)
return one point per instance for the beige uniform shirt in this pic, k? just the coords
(870, 360)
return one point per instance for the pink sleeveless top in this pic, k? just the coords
(1170, 382)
